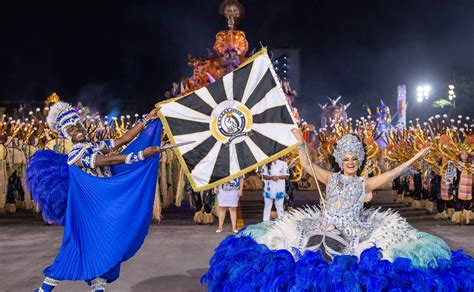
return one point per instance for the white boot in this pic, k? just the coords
(399, 199)
(467, 216)
(430, 206)
(98, 285)
(444, 215)
(417, 204)
(450, 212)
(457, 217)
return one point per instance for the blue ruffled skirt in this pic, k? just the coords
(241, 264)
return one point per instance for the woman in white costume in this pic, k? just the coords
(341, 222)
(339, 245)
(228, 195)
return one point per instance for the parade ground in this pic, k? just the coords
(175, 253)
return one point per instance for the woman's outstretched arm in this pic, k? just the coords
(375, 182)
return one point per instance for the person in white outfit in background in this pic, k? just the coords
(228, 195)
(274, 175)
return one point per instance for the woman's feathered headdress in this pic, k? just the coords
(62, 115)
(348, 144)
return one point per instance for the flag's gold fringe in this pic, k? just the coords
(262, 51)
(224, 180)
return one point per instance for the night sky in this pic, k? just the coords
(116, 55)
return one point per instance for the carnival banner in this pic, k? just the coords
(239, 122)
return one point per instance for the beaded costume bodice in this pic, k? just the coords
(344, 203)
(344, 199)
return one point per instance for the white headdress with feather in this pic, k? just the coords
(62, 115)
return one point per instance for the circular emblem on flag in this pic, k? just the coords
(230, 120)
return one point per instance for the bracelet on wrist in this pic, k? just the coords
(131, 158)
(141, 155)
(302, 146)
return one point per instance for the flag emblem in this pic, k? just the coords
(230, 120)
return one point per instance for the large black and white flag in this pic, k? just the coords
(239, 122)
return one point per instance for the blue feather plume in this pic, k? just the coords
(47, 178)
(241, 264)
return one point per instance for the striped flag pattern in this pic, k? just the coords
(239, 122)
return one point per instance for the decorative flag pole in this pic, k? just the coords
(321, 197)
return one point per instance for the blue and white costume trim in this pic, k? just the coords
(275, 189)
(87, 154)
(275, 196)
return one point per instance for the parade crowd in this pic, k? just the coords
(441, 183)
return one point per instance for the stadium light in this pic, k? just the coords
(423, 92)
(451, 93)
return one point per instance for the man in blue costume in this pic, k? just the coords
(109, 197)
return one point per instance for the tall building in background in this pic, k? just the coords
(287, 65)
(402, 105)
